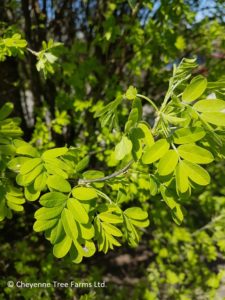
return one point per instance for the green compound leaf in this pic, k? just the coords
(15, 207)
(77, 210)
(134, 216)
(123, 148)
(131, 232)
(177, 214)
(61, 248)
(53, 199)
(136, 135)
(27, 179)
(134, 116)
(210, 105)
(173, 120)
(76, 257)
(58, 183)
(195, 89)
(137, 216)
(69, 224)
(136, 104)
(111, 229)
(148, 137)
(153, 186)
(45, 213)
(82, 164)
(182, 182)
(54, 170)
(188, 135)
(40, 182)
(155, 152)
(132, 119)
(136, 213)
(88, 248)
(52, 153)
(30, 193)
(131, 93)
(15, 163)
(109, 108)
(142, 223)
(58, 163)
(105, 236)
(86, 231)
(195, 154)
(84, 193)
(170, 199)
(196, 173)
(29, 165)
(57, 233)
(42, 225)
(216, 84)
(215, 118)
(7, 150)
(81, 249)
(168, 162)
(14, 200)
(110, 218)
(25, 149)
(213, 111)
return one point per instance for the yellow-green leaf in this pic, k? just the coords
(131, 93)
(58, 183)
(77, 210)
(155, 152)
(148, 137)
(52, 199)
(188, 135)
(136, 213)
(28, 178)
(45, 213)
(111, 229)
(40, 181)
(195, 154)
(168, 162)
(84, 193)
(195, 89)
(123, 148)
(62, 248)
(196, 173)
(42, 225)
(29, 165)
(30, 193)
(210, 105)
(215, 118)
(52, 153)
(110, 218)
(86, 230)
(69, 224)
(182, 182)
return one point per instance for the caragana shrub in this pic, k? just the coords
(77, 213)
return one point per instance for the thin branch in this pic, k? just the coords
(115, 174)
(32, 51)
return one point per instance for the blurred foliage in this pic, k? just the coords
(100, 49)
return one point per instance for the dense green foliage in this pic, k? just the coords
(91, 159)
